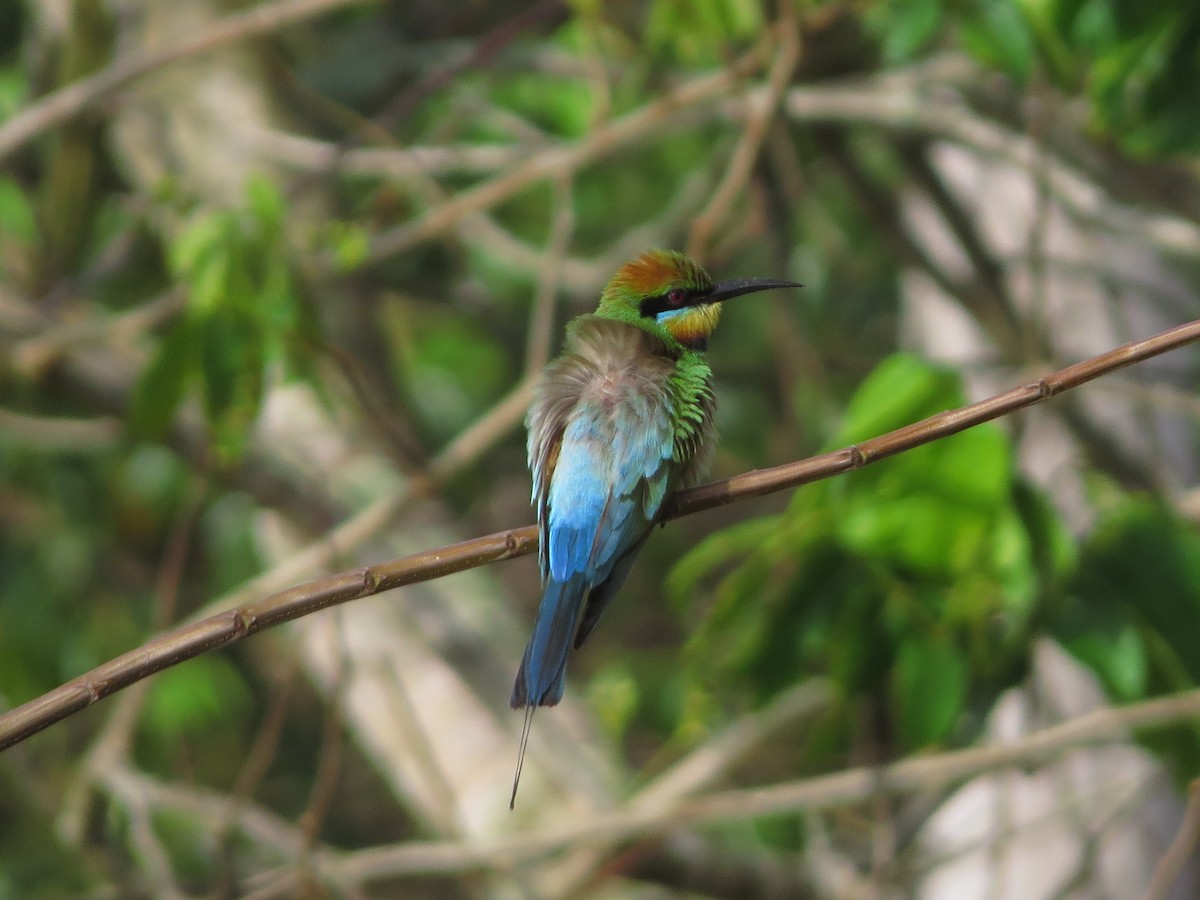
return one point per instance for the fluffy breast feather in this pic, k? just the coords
(612, 389)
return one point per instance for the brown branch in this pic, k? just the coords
(236, 624)
(68, 102)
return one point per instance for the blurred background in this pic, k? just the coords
(272, 293)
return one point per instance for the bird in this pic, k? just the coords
(618, 422)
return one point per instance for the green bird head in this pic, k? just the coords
(663, 289)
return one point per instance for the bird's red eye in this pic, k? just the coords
(676, 296)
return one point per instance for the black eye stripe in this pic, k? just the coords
(676, 298)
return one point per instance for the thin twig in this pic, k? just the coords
(329, 763)
(714, 757)
(55, 337)
(111, 746)
(234, 625)
(990, 301)
(545, 13)
(541, 323)
(933, 772)
(558, 161)
(762, 108)
(364, 525)
(254, 768)
(67, 102)
(398, 163)
(144, 840)
(1166, 873)
(58, 434)
(893, 104)
(701, 768)
(913, 774)
(268, 833)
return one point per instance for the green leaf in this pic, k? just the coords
(162, 385)
(195, 242)
(16, 214)
(997, 33)
(14, 91)
(209, 282)
(350, 245)
(732, 543)
(232, 365)
(904, 27)
(972, 469)
(1118, 657)
(1143, 564)
(559, 105)
(266, 202)
(700, 33)
(919, 532)
(242, 297)
(930, 687)
(1053, 550)
(1139, 63)
(902, 389)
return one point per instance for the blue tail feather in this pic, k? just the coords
(542, 675)
(601, 595)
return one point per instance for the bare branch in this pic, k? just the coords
(916, 773)
(68, 102)
(561, 160)
(229, 627)
(904, 102)
(703, 867)
(46, 434)
(541, 322)
(545, 13)
(761, 111)
(701, 768)
(1167, 871)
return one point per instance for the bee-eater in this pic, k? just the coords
(618, 422)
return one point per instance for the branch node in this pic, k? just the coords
(94, 691)
(243, 623)
(371, 580)
(206, 634)
(511, 545)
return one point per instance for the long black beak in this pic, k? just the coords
(724, 290)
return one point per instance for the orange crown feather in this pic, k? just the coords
(654, 272)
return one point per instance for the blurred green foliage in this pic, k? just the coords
(1136, 62)
(1133, 611)
(914, 580)
(243, 317)
(915, 585)
(1139, 65)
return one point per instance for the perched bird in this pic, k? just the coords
(618, 422)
